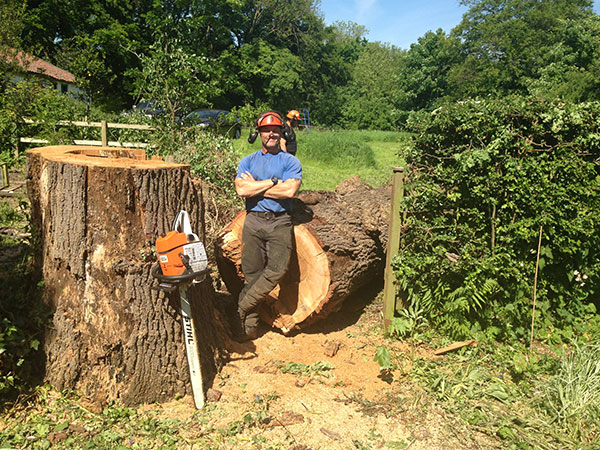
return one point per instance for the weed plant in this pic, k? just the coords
(572, 397)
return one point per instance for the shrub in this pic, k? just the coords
(22, 314)
(484, 178)
(47, 107)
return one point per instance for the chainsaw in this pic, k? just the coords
(182, 262)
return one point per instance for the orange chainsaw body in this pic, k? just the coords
(168, 249)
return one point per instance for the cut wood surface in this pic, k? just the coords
(98, 211)
(340, 242)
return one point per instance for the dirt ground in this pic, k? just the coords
(350, 406)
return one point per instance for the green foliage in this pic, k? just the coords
(320, 368)
(22, 315)
(176, 80)
(369, 101)
(213, 159)
(572, 396)
(423, 72)
(508, 43)
(408, 322)
(282, 54)
(485, 176)
(248, 113)
(383, 358)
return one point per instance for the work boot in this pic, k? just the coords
(251, 331)
(241, 332)
(237, 328)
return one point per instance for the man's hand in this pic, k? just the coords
(247, 186)
(247, 176)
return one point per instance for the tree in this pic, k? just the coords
(573, 69)
(175, 79)
(107, 32)
(423, 71)
(370, 97)
(10, 28)
(327, 70)
(506, 43)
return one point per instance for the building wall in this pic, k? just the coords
(62, 86)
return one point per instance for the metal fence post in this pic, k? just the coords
(103, 133)
(389, 290)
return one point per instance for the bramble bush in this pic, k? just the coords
(484, 178)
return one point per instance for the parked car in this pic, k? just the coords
(217, 120)
(149, 108)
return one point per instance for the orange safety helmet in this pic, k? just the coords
(269, 118)
(293, 115)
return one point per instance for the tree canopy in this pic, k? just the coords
(230, 53)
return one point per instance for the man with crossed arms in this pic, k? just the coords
(268, 180)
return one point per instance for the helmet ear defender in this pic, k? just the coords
(252, 136)
(276, 116)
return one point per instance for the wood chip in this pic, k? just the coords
(332, 348)
(300, 382)
(213, 395)
(455, 346)
(267, 368)
(286, 418)
(331, 434)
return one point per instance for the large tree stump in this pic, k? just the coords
(340, 240)
(98, 211)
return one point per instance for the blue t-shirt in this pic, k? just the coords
(264, 166)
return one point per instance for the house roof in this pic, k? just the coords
(32, 64)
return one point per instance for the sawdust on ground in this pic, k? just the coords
(346, 407)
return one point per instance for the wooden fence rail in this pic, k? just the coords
(103, 125)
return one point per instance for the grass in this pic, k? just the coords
(573, 395)
(329, 157)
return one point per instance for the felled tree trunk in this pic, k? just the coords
(340, 242)
(98, 212)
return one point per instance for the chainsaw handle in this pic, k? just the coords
(157, 273)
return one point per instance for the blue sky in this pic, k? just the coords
(399, 22)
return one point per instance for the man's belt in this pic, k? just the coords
(268, 214)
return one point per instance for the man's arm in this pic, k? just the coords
(287, 189)
(247, 186)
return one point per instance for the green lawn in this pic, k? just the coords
(329, 157)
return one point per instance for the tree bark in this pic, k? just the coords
(340, 240)
(98, 213)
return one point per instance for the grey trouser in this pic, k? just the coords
(266, 249)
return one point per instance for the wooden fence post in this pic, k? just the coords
(103, 133)
(389, 290)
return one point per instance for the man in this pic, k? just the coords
(288, 141)
(268, 180)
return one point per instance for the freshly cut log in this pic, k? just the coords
(340, 246)
(98, 211)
